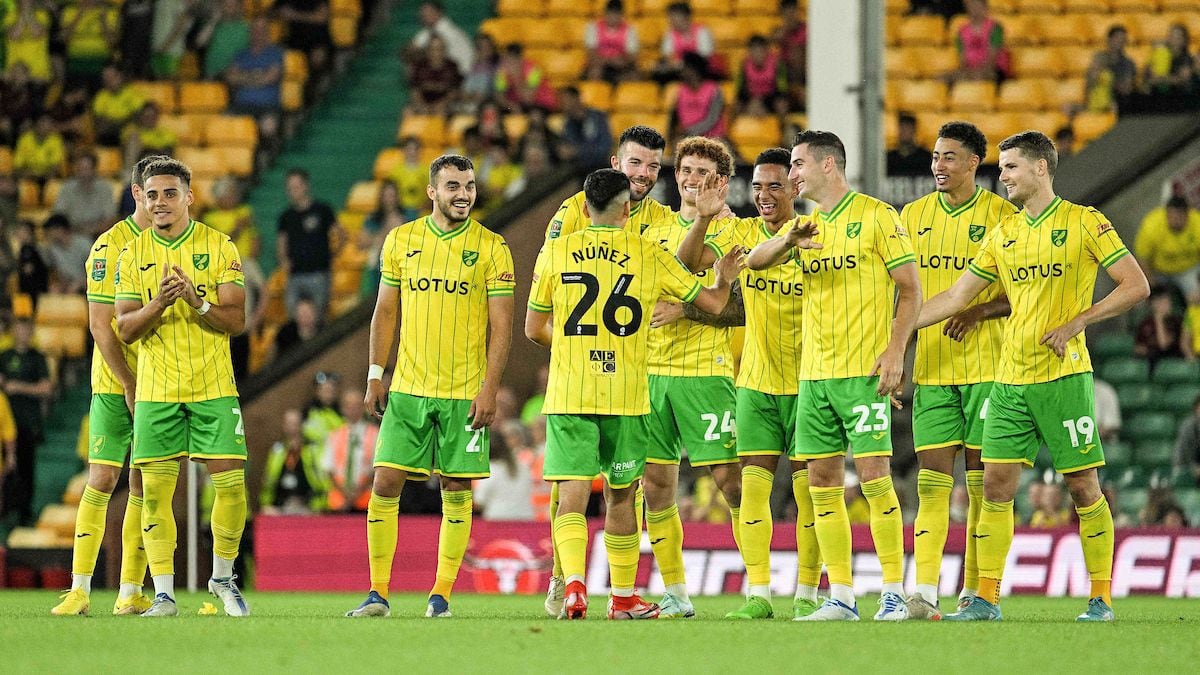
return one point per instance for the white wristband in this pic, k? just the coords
(203, 309)
(374, 372)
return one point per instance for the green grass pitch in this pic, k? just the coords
(306, 632)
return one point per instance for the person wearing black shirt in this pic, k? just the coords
(25, 378)
(908, 158)
(303, 245)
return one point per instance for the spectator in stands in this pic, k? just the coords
(1108, 410)
(137, 24)
(85, 199)
(173, 20)
(321, 415)
(761, 81)
(349, 453)
(520, 82)
(434, 80)
(538, 132)
(508, 493)
(27, 39)
(71, 114)
(791, 41)
(1190, 341)
(228, 35)
(304, 325)
(490, 127)
(307, 24)
(255, 79)
(234, 218)
(1048, 511)
(387, 216)
(535, 166)
(1168, 245)
(8, 444)
(292, 481)
(40, 151)
(114, 105)
(474, 146)
(33, 274)
(89, 29)
(9, 199)
(25, 379)
(67, 254)
(435, 22)
(21, 99)
(498, 172)
(908, 158)
(1172, 67)
(1159, 502)
(612, 45)
(303, 245)
(146, 135)
(409, 179)
(1064, 142)
(683, 37)
(1159, 334)
(586, 135)
(699, 104)
(980, 42)
(1110, 77)
(1173, 518)
(1187, 444)
(480, 80)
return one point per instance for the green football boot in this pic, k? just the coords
(803, 607)
(756, 607)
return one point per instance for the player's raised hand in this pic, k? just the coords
(483, 408)
(1058, 338)
(730, 265)
(801, 233)
(957, 326)
(711, 194)
(189, 289)
(665, 313)
(890, 369)
(376, 398)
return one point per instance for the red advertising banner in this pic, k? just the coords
(329, 553)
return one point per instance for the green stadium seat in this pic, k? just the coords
(1151, 426)
(1181, 398)
(1126, 371)
(1156, 454)
(1130, 501)
(1176, 371)
(1135, 398)
(1182, 477)
(1112, 345)
(1118, 453)
(1189, 499)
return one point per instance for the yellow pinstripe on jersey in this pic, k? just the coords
(848, 291)
(102, 288)
(602, 284)
(686, 348)
(570, 217)
(182, 359)
(1047, 267)
(772, 298)
(445, 280)
(945, 240)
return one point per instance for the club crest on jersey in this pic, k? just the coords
(976, 232)
(1058, 237)
(853, 229)
(200, 261)
(99, 269)
(470, 258)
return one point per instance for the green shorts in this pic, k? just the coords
(1060, 414)
(581, 447)
(949, 415)
(110, 430)
(766, 423)
(423, 435)
(832, 415)
(210, 429)
(696, 413)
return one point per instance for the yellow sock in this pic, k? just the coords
(666, 540)
(89, 530)
(452, 539)
(1096, 535)
(571, 537)
(158, 518)
(808, 553)
(735, 526)
(623, 556)
(992, 540)
(974, 506)
(755, 524)
(133, 553)
(933, 522)
(228, 512)
(887, 527)
(383, 514)
(639, 506)
(556, 570)
(833, 532)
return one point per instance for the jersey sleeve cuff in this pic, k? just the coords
(715, 247)
(389, 281)
(691, 295)
(981, 273)
(501, 292)
(128, 296)
(904, 259)
(539, 307)
(1114, 257)
(101, 299)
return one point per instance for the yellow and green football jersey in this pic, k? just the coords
(102, 289)
(686, 348)
(848, 291)
(602, 284)
(946, 239)
(445, 280)
(182, 359)
(570, 217)
(772, 299)
(1047, 267)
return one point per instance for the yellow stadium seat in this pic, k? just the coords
(457, 125)
(363, 197)
(1048, 122)
(292, 95)
(754, 8)
(162, 93)
(729, 34)
(891, 93)
(255, 8)
(343, 30)
(1022, 94)
(295, 66)
(506, 30)
(1022, 31)
(348, 7)
(922, 31)
(891, 31)
(972, 97)
(1180, 6)
(203, 97)
(901, 63)
(1086, 6)
(1032, 6)
(597, 95)
(385, 161)
(55, 309)
(1065, 29)
(755, 131)
(712, 8)
(620, 121)
(1152, 28)
(6, 158)
(508, 8)
(937, 61)
(928, 124)
(561, 67)
(1089, 126)
(238, 159)
(999, 126)
(428, 128)
(547, 33)
(187, 131)
(650, 32)
(202, 190)
(653, 7)
(204, 162)
(238, 130)
(894, 7)
(515, 125)
(632, 97)
(61, 341)
(1147, 5)
(917, 95)
(573, 8)
(108, 161)
(50, 193)
(1063, 91)
(1037, 62)
(29, 195)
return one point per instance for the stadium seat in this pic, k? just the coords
(913, 95)
(428, 128)
(1176, 371)
(237, 159)
(509, 8)
(973, 97)
(1153, 426)
(456, 126)
(1066, 29)
(632, 97)
(343, 30)
(921, 31)
(1037, 62)
(560, 66)
(515, 125)
(1085, 6)
(1156, 454)
(1109, 345)
(910, 63)
(1125, 371)
(1118, 453)
(1089, 126)
(61, 341)
(619, 121)
(1143, 5)
(292, 95)
(54, 309)
(162, 93)
(1021, 95)
(202, 190)
(505, 30)
(1136, 398)
(1065, 91)
(1021, 31)
(928, 124)
(29, 195)
(714, 8)
(650, 32)
(656, 8)
(998, 126)
(546, 33)
(729, 34)
(1049, 120)
(295, 66)
(204, 162)
(896, 7)
(50, 193)
(1033, 6)
(752, 135)
(755, 8)
(936, 61)
(1181, 398)
(203, 97)
(363, 197)
(239, 130)
(596, 94)
(351, 7)
(6, 160)
(187, 130)
(385, 161)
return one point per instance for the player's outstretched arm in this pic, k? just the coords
(538, 327)
(135, 319)
(379, 349)
(734, 313)
(1132, 288)
(952, 300)
(100, 319)
(960, 324)
(714, 298)
(500, 319)
(890, 364)
(776, 251)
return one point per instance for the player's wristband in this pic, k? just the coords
(374, 372)
(203, 309)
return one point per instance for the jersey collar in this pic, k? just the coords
(602, 228)
(953, 211)
(133, 227)
(445, 236)
(841, 206)
(177, 241)
(1050, 208)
